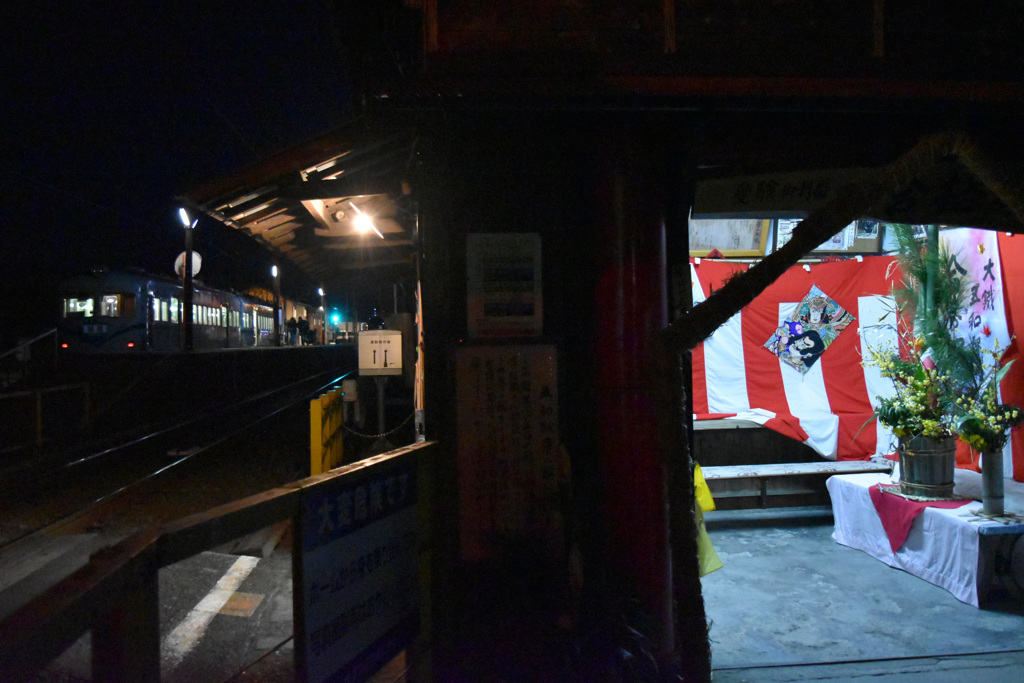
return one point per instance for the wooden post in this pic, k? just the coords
(126, 640)
(316, 436)
(39, 417)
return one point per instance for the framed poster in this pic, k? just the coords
(868, 238)
(859, 237)
(730, 236)
(504, 285)
(841, 241)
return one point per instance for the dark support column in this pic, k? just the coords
(675, 403)
(277, 306)
(187, 323)
(126, 641)
(631, 311)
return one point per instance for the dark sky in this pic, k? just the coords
(109, 115)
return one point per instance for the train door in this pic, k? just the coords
(152, 306)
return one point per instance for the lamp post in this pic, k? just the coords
(323, 316)
(277, 305)
(186, 299)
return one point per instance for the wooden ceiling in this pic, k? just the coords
(302, 204)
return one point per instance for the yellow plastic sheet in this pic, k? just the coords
(707, 503)
(706, 554)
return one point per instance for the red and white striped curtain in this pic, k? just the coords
(828, 406)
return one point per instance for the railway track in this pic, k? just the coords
(228, 452)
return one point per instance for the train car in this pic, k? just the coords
(128, 311)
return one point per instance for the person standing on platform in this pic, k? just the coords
(375, 321)
(293, 330)
(303, 331)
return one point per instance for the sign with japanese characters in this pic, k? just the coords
(778, 195)
(510, 459)
(356, 576)
(380, 352)
(505, 295)
(976, 257)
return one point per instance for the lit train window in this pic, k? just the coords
(175, 308)
(156, 309)
(163, 311)
(195, 312)
(110, 305)
(73, 306)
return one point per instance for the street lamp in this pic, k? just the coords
(323, 316)
(277, 305)
(186, 299)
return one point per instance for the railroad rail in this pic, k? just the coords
(115, 595)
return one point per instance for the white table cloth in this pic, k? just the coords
(942, 547)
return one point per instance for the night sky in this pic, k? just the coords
(109, 115)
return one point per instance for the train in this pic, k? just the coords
(126, 311)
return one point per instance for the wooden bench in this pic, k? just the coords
(762, 473)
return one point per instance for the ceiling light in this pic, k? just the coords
(363, 223)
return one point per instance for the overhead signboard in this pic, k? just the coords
(776, 195)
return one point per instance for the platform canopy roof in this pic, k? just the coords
(334, 206)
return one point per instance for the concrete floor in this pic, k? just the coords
(789, 596)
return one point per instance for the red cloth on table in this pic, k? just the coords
(897, 513)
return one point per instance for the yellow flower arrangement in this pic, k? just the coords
(981, 420)
(922, 404)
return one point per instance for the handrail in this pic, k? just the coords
(37, 396)
(28, 343)
(115, 594)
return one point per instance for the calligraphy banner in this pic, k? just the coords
(977, 258)
(511, 463)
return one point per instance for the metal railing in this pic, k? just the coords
(115, 595)
(33, 416)
(29, 360)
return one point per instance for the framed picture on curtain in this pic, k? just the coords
(859, 237)
(868, 238)
(730, 236)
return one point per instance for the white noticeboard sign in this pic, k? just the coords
(380, 352)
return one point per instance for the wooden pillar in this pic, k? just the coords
(631, 311)
(126, 640)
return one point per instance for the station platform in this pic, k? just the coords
(790, 604)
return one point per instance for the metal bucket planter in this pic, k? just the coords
(927, 466)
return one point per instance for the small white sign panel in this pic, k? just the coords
(380, 352)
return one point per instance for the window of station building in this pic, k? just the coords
(78, 307)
